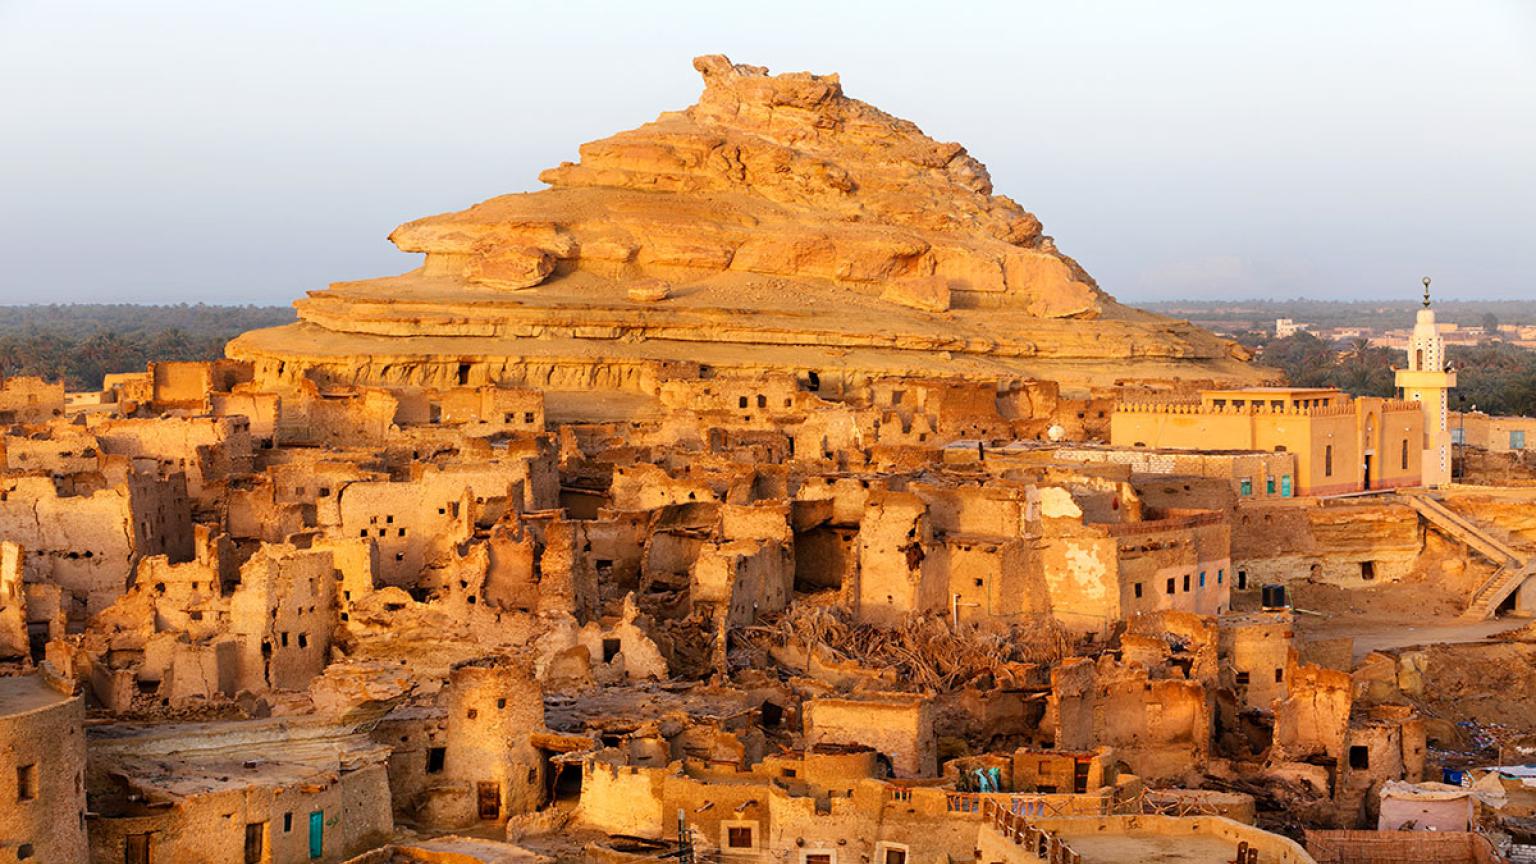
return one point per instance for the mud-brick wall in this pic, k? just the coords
(1080, 569)
(840, 827)
(748, 577)
(492, 711)
(1387, 744)
(920, 824)
(713, 807)
(30, 400)
(413, 523)
(901, 729)
(896, 575)
(80, 543)
(1313, 720)
(354, 815)
(1258, 650)
(623, 799)
(283, 614)
(42, 765)
(1161, 729)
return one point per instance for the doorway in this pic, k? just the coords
(255, 842)
(488, 798)
(564, 779)
(1367, 484)
(136, 849)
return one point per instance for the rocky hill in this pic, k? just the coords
(776, 225)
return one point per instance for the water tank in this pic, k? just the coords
(1273, 597)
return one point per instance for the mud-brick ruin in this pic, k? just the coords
(767, 488)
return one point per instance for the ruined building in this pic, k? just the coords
(766, 488)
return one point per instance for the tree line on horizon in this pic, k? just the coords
(79, 344)
(1347, 313)
(1496, 377)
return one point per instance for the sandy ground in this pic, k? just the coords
(1480, 672)
(1385, 637)
(1396, 615)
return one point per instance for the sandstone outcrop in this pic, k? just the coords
(785, 224)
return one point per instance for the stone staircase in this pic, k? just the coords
(1504, 582)
(1514, 566)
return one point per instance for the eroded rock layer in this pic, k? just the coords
(776, 224)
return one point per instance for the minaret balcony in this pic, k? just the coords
(1410, 379)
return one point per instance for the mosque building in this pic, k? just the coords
(1341, 444)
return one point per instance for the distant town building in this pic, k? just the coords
(1286, 327)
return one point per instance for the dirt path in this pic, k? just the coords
(1433, 632)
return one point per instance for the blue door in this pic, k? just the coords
(1285, 486)
(317, 834)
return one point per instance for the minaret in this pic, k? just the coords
(1428, 381)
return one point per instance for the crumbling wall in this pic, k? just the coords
(623, 799)
(898, 726)
(283, 614)
(81, 543)
(613, 650)
(206, 449)
(1161, 728)
(1257, 650)
(60, 449)
(26, 399)
(1312, 721)
(413, 524)
(745, 578)
(1384, 743)
(14, 639)
(898, 575)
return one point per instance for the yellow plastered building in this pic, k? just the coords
(1342, 444)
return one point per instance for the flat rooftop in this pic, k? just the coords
(1146, 847)
(1087, 447)
(179, 760)
(191, 773)
(26, 693)
(1272, 391)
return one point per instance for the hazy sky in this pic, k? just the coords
(247, 152)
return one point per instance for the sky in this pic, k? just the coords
(223, 152)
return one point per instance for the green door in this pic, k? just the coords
(317, 834)
(1285, 485)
